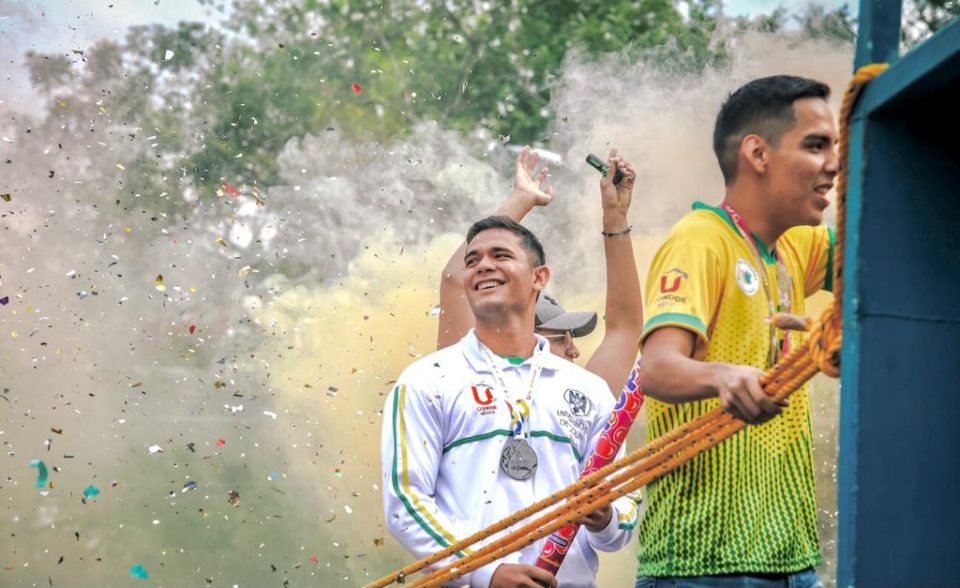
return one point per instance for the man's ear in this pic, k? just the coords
(541, 276)
(754, 153)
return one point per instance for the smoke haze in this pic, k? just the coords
(253, 339)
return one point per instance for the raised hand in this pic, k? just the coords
(528, 183)
(617, 197)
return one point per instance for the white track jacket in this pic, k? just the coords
(444, 426)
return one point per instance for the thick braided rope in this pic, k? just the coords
(665, 454)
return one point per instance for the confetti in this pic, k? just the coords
(221, 442)
(5, 197)
(5, 300)
(331, 391)
(41, 472)
(90, 492)
(139, 572)
(231, 190)
(272, 415)
(192, 329)
(221, 242)
(189, 486)
(155, 449)
(357, 88)
(168, 55)
(158, 283)
(233, 497)
(314, 559)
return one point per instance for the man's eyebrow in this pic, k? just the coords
(495, 249)
(819, 137)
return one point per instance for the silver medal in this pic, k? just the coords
(518, 460)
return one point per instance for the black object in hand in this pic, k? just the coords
(598, 164)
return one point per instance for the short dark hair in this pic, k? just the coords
(528, 240)
(764, 107)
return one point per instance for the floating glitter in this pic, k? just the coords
(158, 283)
(90, 492)
(155, 449)
(357, 88)
(191, 485)
(41, 472)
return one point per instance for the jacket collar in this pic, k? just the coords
(470, 346)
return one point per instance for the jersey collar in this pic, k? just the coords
(471, 351)
(768, 256)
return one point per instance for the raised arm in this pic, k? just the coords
(456, 318)
(623, 315)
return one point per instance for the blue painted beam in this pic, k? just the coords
(922, 72)
(878, 38)
(848, 488)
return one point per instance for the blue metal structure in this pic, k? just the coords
(899, 475)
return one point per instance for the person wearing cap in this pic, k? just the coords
(623, 316)
(482, 428)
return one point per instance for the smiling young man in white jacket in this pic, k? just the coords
(485, 427)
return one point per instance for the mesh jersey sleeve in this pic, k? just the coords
(684, 285)
(814, 247)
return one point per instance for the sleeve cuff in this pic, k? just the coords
(675, 319)
(608, 534)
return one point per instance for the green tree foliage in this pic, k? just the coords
(223, 102)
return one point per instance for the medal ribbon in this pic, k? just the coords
(518, 417)
(775, 349)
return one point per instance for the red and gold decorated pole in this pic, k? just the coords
(610, 442)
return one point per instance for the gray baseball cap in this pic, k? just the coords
(552, 317)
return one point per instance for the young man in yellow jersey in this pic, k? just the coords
(743, 513)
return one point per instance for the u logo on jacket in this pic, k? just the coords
(487, 395)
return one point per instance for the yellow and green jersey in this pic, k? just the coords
(748, 504)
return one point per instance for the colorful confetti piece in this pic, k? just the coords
(231, 190)
(90, 492)
(139, 572)
(357, 88)
(41, 472)
(192, 329)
